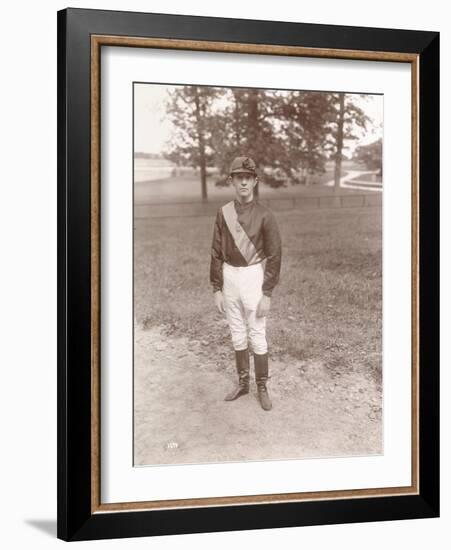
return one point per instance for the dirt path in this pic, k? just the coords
(347, 183)
(181, 417)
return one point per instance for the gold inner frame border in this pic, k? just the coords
(97, 41)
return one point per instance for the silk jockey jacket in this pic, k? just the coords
(246, 234)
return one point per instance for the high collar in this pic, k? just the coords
(243, 206)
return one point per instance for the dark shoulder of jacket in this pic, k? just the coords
(219, 214)
(265, 210)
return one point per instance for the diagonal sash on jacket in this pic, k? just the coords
(242, 241)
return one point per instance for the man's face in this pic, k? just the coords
(244, 184)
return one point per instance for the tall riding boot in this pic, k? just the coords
(242, 367)
(261, 377)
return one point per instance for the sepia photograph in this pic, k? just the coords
(257, 274)
(248, 261)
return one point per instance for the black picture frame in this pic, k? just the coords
(76, 518)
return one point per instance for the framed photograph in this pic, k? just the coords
(248, 274)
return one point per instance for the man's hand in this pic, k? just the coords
(263, 306)
(219, 301)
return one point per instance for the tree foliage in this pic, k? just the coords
(289, 134)
(190, 110)
(370, 155)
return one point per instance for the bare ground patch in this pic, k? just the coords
(180, 415)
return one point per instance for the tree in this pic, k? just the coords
(339, 140)
(370, 155)
(247, 125)
(190, 108)
(304, 118)
(228, 133)
(289, 134)
(345, 117)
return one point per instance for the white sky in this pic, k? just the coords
(152, 129)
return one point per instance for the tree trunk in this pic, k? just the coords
(253, 130)
(237, 118)
(339, 154)
(201, 143)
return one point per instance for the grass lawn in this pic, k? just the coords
(327, 306)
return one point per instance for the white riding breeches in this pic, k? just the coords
(242, 291)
